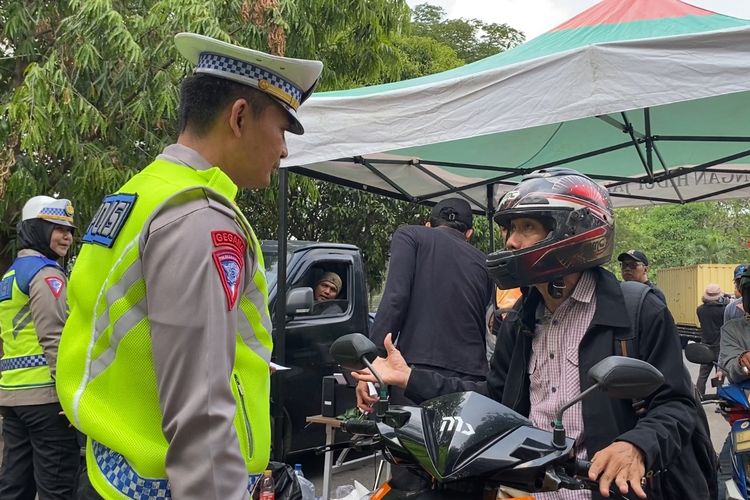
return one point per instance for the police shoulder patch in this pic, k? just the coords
(229, 264)
(230, 239)
(110, 219)
(55, 284)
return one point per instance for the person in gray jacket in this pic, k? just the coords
(734, 353)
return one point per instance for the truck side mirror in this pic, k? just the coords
(299, 301)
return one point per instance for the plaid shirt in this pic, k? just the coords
(553, 369)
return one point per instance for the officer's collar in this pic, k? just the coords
(184, 155)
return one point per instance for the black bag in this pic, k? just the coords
(286, 486)
(700, 456)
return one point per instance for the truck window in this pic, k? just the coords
(324, 275)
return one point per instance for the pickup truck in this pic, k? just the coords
(309, 335)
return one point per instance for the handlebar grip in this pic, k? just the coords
(581, 467)
(362, 427)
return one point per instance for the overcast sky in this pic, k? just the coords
(535, 17)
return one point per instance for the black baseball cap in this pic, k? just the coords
(636, 255)
(454, 209)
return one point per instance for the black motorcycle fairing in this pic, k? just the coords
(455, 427)
(396, 440)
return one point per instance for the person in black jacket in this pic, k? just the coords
(436, 294)
(711, 317)
(560, 231)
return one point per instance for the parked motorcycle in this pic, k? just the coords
(471, 446)
(733, 403)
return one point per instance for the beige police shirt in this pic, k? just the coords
(193, 334)
(48, 312)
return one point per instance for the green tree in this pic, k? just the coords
(684, 235)
(89, 88)
(472, 39)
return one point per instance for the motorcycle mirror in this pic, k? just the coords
(700, 354)
(354, 351)
(351, 351)
(617, 376)
(626, 378)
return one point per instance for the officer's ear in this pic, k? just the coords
(238, 115)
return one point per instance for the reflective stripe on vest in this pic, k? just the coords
(22, 362)
(106, 380)
(126, 480)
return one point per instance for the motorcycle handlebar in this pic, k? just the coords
(581, 467)
(362, 427)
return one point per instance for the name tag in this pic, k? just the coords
(110, 219)
(6, 288)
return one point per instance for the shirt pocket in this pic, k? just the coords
(571, 356)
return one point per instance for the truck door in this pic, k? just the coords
(309, 336)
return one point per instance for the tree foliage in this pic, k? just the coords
(472, 39)
(89, 88)
(684, 235)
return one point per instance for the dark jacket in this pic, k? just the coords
(657, 291)
(663, 434)
(435, 300)
(711, 317)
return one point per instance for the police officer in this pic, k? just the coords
(41, 452)
(168, 344)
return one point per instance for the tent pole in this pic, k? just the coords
(279, 337)
(649, 140)
(490, 214)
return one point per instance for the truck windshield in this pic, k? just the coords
(271, 260)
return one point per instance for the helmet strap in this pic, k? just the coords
(555, 288)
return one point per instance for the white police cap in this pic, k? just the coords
(289, 81)
(55, 210)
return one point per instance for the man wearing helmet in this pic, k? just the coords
(734, 353)
(560, 230)
(734, 308)
(41, 452)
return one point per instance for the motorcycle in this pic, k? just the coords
(472, 447)
(733, 403)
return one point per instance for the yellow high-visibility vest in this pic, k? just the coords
(105, 376)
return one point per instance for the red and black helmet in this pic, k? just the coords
(578, 213)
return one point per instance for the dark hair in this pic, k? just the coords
(204, 97)
(453, 224)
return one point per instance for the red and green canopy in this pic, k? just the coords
(649, 97)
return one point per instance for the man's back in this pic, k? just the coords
(711, 317)
(436, 295)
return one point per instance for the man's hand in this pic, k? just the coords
(622, 463)
(392, 369)
(745, 362)
(364, 399)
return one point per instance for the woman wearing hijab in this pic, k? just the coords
(41, 454)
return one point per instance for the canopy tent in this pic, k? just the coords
(649, 97)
